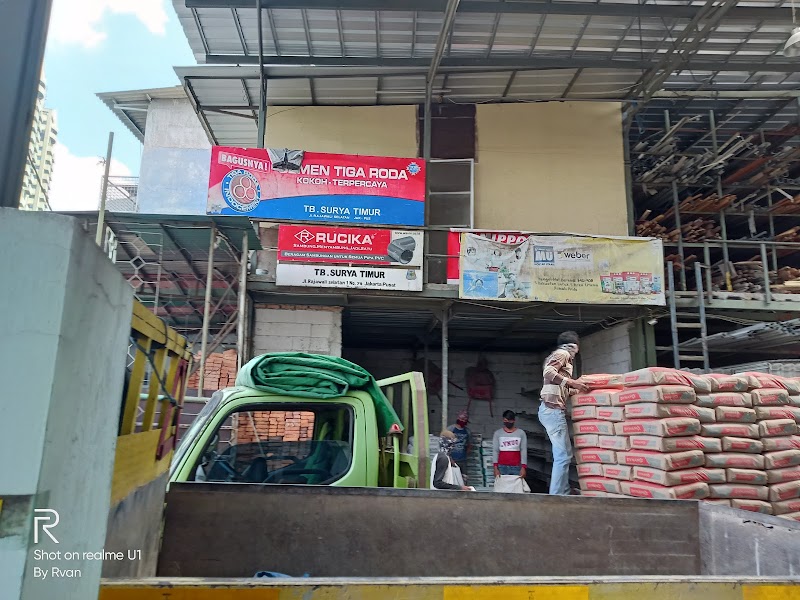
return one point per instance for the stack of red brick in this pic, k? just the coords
(663, 433)
(275, 425)
(220, 371)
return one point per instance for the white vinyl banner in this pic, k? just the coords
(356, 277)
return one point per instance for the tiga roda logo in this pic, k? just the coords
(241, 190)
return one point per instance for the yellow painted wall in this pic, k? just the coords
(549, 167)
(371, 130)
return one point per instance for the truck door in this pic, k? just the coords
(404, 460)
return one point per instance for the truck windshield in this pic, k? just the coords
(300, 445)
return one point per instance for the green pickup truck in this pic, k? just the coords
(248, 435)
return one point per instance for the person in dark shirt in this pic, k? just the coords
(463, 444)
(443, 474)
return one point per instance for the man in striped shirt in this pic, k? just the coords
(558, 386)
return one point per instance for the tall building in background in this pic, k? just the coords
(39, 160)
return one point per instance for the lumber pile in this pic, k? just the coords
(700, 203)
(788, 281)
(786, 207)
(746, 277)
(696, 230)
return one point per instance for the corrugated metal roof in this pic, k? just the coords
(131, 106)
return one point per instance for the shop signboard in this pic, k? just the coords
(563, 268)
(349, 257)
(352, 245)
(283, 184)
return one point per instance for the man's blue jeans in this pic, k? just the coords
(555, 422)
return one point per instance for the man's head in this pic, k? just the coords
(509, 419)
(462, 419)
(570, 341)
(447, 440)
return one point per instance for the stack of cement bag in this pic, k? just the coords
(669, 434)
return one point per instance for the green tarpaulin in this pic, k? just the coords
(316, 376)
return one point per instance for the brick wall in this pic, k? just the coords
(607, 351)
(287, 328)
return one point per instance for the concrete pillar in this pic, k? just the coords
(65, 316)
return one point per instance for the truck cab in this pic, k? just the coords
(244, 435)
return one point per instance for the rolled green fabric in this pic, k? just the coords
(316, 376)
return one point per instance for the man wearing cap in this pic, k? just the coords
(463, 440)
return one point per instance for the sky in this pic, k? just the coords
(103, 46)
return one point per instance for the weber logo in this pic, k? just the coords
(574, 255)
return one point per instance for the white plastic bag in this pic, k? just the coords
(511, 484)
(452, 475)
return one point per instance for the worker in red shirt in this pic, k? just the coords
(510, 448)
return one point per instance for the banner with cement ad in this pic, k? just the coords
(563, 268)
(295, 185)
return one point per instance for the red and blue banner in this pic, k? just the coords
(294, 185)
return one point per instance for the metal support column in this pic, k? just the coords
(676, 209)
(673, 316)
(207, 311)
(23, 29)
(707, 261)
(101, 215)
(426, 154)
(771, 226)
(445, 364)
(241, 321)
(765, 271)
(262, 81)
(726, 259)
(698, 275)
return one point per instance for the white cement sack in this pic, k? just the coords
(691, 442)
(595, 455)
(614, 442)
(511, 484)
(784, 491)
(769, 413)
(669, 461)
(794, 400)
(731, 460)
(787, 442)
(748, 476)
(583, 412)
(595, 398)
(728, 383)
(666, 376)
(782, 459)
(769, 397)
(672, 478)
(665, 394)
(739, 490)
(619, 472)
(742, 400)
(586, 440)
(767, 380)
(640, 489)
(783, 475)
(593, 426)
(600, 484)
(741, 430)
(758, 506)
(795, 516)
(649, 410)
(601, 381)
(777, 428)
(786, 506)
(615, 414)
(735, 414)
(672, 427)
(590, 470)
(718, 501)
(746, 445)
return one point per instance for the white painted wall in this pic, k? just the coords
(65, 325)
(285, 328)
(513, 372)
(176, 159)
(607, 351)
